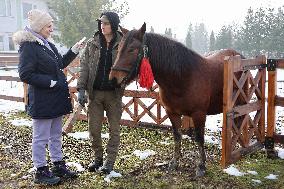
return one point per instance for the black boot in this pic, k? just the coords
(59, 169)
(107, 167)
(96, 165)
(44, 176)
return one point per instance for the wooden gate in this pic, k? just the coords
(243, 107)
(273, 100)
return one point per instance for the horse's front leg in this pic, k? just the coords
(199, 119)
(176, 125)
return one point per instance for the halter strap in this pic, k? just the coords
(143, 52)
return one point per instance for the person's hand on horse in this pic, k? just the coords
(82, 97)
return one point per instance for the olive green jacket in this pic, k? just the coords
(89, 62)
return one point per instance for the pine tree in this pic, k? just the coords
(152, 30)
(224, 40)
(274, 42)
(200, 39)
(212, 42)
(168, 33)
(188, 40)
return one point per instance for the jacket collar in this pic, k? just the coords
(96, 38)
(25, 36)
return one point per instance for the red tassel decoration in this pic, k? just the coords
(146, 77)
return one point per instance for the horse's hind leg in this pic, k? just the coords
(176, 125)
(199, 119)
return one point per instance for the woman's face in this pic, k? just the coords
(46, 30)
(106, 28)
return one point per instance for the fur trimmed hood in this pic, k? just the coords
(22, 36)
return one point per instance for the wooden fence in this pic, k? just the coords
(8, 59)
(155, 110)
(243, 129)
(273, 101)
(131, 107)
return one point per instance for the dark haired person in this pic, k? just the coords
(102, 94)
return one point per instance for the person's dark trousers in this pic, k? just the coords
(110, 102)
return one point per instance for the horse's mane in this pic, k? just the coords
(171, 56)
(168, 56)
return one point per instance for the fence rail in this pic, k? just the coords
(239, 127)
(9, 59)
(273, 101)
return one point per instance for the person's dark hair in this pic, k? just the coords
(113, 19)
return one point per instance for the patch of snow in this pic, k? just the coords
(144, 154)
(231, 170)
(256, 181)
(21, 122)
(78, 166)
(252, 172)
(112, 174)
(271, 177)
(80, 135)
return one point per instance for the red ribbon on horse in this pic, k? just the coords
(146, 77)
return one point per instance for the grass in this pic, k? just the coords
(15, 162)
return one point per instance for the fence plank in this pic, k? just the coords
(279, 101)
(12, 98)
(10, 78)
(272, 86)
(227, 106)
(280, 63)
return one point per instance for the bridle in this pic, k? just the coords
(143, 52)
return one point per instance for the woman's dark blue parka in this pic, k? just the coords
(37, 67)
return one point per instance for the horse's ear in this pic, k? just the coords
(142, 31)
(123, 30)
(143, 28)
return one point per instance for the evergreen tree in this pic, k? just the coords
(275, 41)
(212, 41)
(224, 40)
(75, 19)
(152, 30)
(188, 40)
(251, 37)
(200, 39)
(168, 33)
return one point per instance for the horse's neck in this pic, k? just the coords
(161, 60)
(166, 74)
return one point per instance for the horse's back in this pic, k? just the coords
(221, 54)
(215, 60)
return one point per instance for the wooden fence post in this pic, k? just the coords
(25, 85)
(272, 87)
(227, 107)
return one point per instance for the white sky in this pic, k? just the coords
(178, 14)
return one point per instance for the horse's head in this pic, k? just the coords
(127, 62)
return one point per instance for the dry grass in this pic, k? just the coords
(15, 163)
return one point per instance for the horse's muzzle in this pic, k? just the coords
(117, 77)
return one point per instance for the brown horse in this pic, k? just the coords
(189, 84)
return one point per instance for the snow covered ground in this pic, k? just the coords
(213, 123)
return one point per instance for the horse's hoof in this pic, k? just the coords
(271, 154)
(173, 164)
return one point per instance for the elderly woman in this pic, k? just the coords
(48, 96)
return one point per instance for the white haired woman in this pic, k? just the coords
(41, 66)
